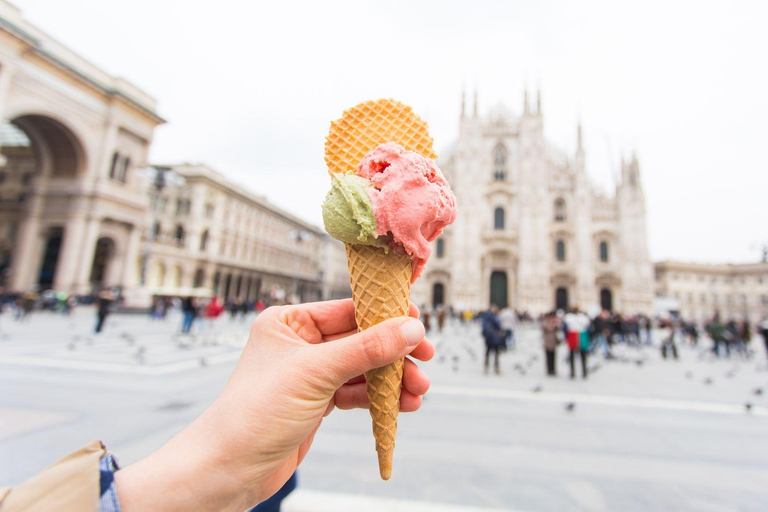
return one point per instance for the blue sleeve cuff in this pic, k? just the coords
(108, 501)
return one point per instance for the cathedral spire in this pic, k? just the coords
(580, 144)
(526, 105)
(538, 101)
(475, 111)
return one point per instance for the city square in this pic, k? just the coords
(643, 433)
(215, 219)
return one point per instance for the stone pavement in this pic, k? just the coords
(639, 434)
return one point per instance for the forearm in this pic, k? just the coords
(187, 473)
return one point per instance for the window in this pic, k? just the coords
(604, 251)
(498, 218)
(560, 250)
(559, 210)
(182, 206)
(179, 235)
(209, 209)
(204, 240)
(500, 163)
(118, 171)
(440, 248)
(156, 231)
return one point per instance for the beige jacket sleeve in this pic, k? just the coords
(71, 484)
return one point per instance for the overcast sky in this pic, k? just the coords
(250, 88)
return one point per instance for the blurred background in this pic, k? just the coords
(161, 176)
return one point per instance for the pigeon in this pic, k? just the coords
(688, 375)
(708, 380)
(537, 389)
(570, 406)
(639, 362)
(758, 391)
(203, 362)
(748, 406)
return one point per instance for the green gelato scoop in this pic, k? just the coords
(348, 213)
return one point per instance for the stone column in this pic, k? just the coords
(128, 276)
(83, 282)
(69, 255)
(26, 259)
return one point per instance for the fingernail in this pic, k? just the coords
(413, 331)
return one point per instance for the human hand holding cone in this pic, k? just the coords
(386, 203)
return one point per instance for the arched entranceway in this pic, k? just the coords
(105, 249)
(561, 298)
(438, 294)
(50, 258)
(57, 151)
(499, 289)
(606, 299)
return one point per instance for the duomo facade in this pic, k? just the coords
(533, 232)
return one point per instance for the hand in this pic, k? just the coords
(300, 363)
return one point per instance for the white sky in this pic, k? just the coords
(250, 88)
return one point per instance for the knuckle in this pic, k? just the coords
(376, 345)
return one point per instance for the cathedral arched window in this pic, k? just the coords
(560, 210)
(204, 240)
(560, 250)
(440, 248)
(498, 218)
(500, 163)
(604, 252)
(179, 235)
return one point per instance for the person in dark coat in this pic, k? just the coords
(189, 309)
(492, 336)
(103, 303)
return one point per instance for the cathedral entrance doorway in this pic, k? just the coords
(438, 295)
(50, 258)
(606, 299)
(561, 299)
(499, 289)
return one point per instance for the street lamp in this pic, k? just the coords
(160, 176)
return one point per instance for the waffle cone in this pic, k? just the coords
(365, 126)
(381, 288)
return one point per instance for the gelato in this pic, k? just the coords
(348, 213)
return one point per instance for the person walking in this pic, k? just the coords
(188, 309)
(440, 318)
(508, 321)
(667, 335)
(103, 305)
(602, 331)
(550, 325)
(492, 335)
(577, 337)
(763, 330)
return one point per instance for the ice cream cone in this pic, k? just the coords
(381, 288)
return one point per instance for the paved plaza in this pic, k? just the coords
(639, 434)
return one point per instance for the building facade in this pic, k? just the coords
(532, 231)
(207, 232)
(71, 207)
(76, 213)
(699, 291)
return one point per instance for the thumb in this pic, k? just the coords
(375, 347)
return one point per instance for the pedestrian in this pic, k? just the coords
(576, 326)
(602, 332)
(212, 311)
(508, 321)
(425, 318)
(718, 333)
(103, 305)
(763, 330)
(440, 318)
(188, 309)
(492, 334)
(550, 325)
(667, 335)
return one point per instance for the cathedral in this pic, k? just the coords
(533, 233)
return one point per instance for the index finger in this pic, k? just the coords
(338, 316)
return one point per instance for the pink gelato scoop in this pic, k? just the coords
(411, 199)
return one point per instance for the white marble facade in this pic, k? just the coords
(532, 231)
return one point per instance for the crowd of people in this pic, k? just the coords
(584, 335)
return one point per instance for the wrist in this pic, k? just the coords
(190, 472)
